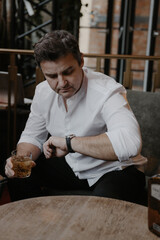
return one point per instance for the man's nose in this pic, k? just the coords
(61, 81)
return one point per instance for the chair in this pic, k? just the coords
(11, 95)
(4, 194)
(146, 107)
(4, 86)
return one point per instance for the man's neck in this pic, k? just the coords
(65, 104)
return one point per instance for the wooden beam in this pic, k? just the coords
(127, 77)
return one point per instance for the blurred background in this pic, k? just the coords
(110, 26)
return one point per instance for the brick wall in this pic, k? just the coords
(92, 34)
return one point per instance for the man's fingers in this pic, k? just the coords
(48, 149)
(9, 172)
(33, 164)
(9, 162)
(49, 154)
(8, 168)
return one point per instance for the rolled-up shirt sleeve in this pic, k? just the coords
(122, 127)
(35, 131)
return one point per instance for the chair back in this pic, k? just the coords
(4, 85)
(146, 107)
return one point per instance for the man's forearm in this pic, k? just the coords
(94, 146)
(24, 148)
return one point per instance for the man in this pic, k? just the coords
(94, 135)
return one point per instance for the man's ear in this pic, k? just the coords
(82, 60)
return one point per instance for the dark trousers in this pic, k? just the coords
(127, 184)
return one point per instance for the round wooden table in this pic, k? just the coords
(74, 218)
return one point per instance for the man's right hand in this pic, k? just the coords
(55, 147)
(9, 168)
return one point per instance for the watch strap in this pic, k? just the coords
(68, 143)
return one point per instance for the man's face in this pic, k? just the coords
(63, 75)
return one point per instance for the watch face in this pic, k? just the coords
(71, 136)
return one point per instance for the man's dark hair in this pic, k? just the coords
(56, 44)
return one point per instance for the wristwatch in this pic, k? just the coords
(68, 142)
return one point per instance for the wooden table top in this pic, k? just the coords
(74, 218)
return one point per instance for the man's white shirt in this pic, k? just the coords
(100, 106)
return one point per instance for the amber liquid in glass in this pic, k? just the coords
(21, 166)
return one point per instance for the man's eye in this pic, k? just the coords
(68, 72)
(54, 76)
(50, 76)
